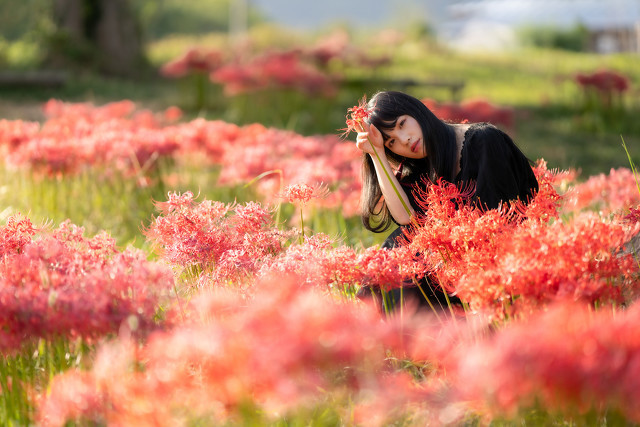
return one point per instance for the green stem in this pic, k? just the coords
(631, 163)
(427, 299)
(404, 204)
(301, 226)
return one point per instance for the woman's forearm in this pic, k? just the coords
(392, 198)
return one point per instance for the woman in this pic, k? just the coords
(420, 148)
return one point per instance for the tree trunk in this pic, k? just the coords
(100, 33)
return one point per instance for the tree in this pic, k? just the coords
(103, 34)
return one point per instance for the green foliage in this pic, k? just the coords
(20, 54)
(552, 37)
(166, 17)
(19, 19)
(23, 26)
(30, 370)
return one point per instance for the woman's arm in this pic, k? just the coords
(369, 139)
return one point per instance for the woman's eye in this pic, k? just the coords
(390, 143)
(402, 122)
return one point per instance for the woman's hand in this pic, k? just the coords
(369, 137)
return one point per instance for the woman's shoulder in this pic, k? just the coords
(486, 136)
(482, 130)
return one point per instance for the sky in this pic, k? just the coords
(313, 14)
(466, 23)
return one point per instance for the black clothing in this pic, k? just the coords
(491, 164)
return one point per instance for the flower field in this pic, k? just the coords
(163, 271)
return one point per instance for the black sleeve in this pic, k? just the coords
(496, 167)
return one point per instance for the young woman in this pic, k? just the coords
(420, 148)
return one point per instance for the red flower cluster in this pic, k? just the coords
(194, 60)
(473, 111)
(336, 48)
(569, 359)
(61, 284)
(77, 136)
(389, 269)
(273, 70)
(317, 263)
(205, 235)
(605, 81)
(512, 262)
(303, 160)
(285, 348)
(294, 340)
(610, 193)
(116, 137)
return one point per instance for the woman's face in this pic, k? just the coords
(406, 139)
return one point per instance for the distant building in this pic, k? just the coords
(613, 25)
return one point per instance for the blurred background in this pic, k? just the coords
(562, 75)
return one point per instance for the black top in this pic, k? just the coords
(492, 164)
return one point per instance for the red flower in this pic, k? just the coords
(569, 359)
(303, 193)
(193, 61)
(356, 115)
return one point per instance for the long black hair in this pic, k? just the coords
(439, 145)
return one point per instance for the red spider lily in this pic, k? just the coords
(76, 136)
(14, 133)
(576, 360)
(303, 193)
(279, 70)
(205, 235)
(62, 284)
(516, 260)
(294, 348)
(172, 114)
(15, 234)
(116, 137)
(194, 60)
(472, 110)
(331, 267)
(389, 269)
(547, 203)
(535, 265)
(335, 46)
(605, 81)
(606, 193)
(356, 116)
(633, 216)
(303, 161)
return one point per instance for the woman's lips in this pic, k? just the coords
(414, 147)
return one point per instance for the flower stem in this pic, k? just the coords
(631, 163)
(404, 204)
(301, 226)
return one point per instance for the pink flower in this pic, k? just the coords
(63, 284)
(569, 359)
(224, 241)
(15, 234)
(283, 348)
(193, 60)
(607, 193)
(303, 193)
